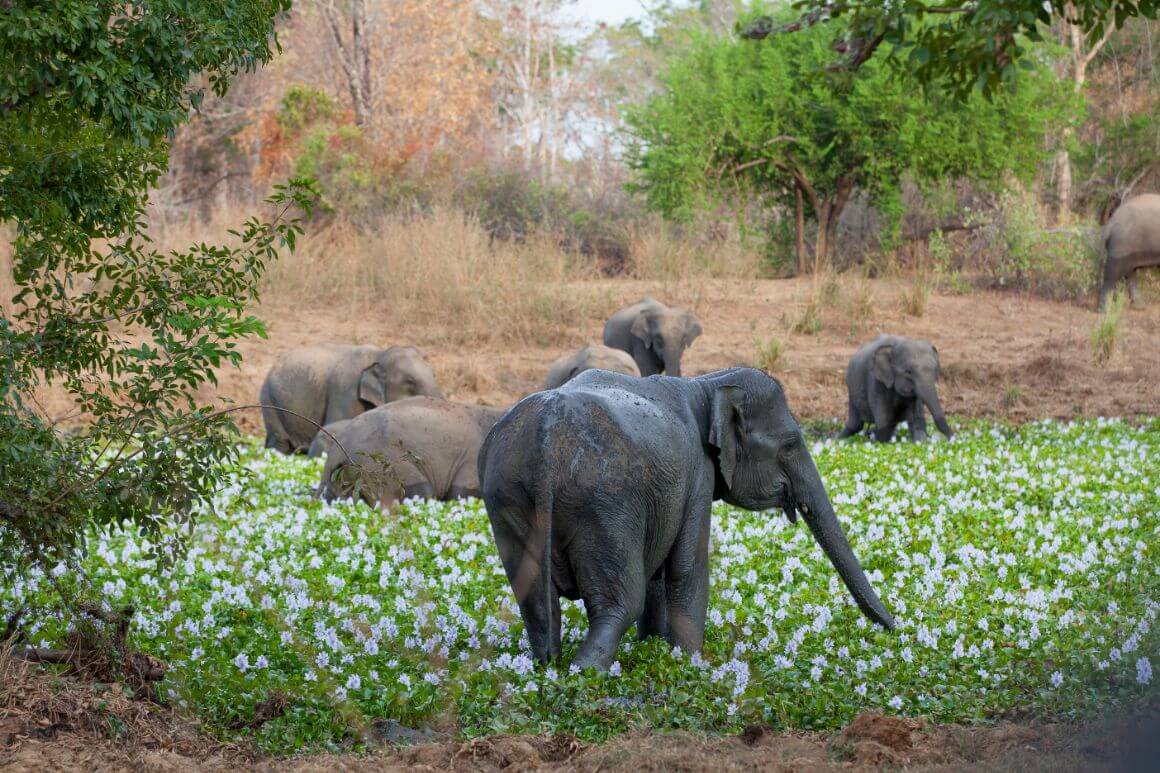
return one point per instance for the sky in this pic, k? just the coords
(610, 11)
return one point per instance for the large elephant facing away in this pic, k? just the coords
(602, 490)
(891, 380)
(417, 447)
(654, 334)
(316, 385)
(1131, 242)
(591, 357)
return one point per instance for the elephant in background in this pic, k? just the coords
(890, 380)
(417, 447)
(325, 383)
(654, 334)
(1131, 242)
(602, 490)
(591, 357)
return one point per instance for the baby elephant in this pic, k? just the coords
(892, 379)
(591, 357)
(325, 383)
(418, 447)
(603, 490)
(654, 334)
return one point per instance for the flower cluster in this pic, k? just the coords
(1022, 565)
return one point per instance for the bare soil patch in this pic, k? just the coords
(61, 724)
(1008, 356)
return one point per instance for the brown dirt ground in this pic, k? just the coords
(55, 723)
(1004, 355)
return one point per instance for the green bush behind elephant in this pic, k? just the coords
(417, 447)
(315, 385)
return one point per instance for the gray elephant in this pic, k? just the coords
(654, 334)
(890, 380)
(602, 490)
(1131, 242)
(325, 383)
(417, 447)
(591, 357)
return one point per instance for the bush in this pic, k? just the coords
(1106, 333)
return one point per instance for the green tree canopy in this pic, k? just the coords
(737, 119)
(91, 92)
(961, 45)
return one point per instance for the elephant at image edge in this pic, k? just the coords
(417, 447)
(654, 334)
(890, 380)
(326, 383)
(591, 357)
(1131, 242)
(602, 490)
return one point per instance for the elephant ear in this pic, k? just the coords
(640, 329)
(883, 365)
(370, 386)
(727, 429)
(692, 328)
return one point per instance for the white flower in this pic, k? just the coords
(1056, 679)
(261, 662)
(353, 682)
(242, 661)
(1143, 670)
(896, 703)
(861, 689)
(614, 669)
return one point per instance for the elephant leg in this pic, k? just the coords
(1136, 299)
(420, 490)
(883, 412)
(853, 421)
(687, 580)
(655, 620)
(916, 420)
(279, 444)
(537, 595)
(613, 589)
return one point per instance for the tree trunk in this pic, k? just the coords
(353, 56)
(800, 229)
(1063, 184)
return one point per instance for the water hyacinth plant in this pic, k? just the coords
(1022, 565)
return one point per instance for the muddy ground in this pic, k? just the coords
(1004, 355)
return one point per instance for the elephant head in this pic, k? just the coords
(763, 463)
(665, 332)
(910, 367)
(397, 372)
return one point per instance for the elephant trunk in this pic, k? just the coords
(929, 397)
(672, 363)
(811, 499)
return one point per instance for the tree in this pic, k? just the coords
(90, 96)
(962, 45)
(767, 123)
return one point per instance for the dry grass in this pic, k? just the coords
(914, 296)
(770, 355)
(1106, 334)
(656, 252)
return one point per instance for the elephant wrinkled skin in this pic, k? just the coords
(324, 383)
(416, 447)
(602, 490)
(1131, 242)
(890, 380)
(654, 334)
(591, 357)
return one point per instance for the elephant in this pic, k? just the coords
(591, 357)
(415, 447)
(654, 334)
(1131, 242)
(323, 383)
(602, 490)
(892, 379)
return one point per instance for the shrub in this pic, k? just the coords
(769, 355)
(912, 299)
(1106, 333)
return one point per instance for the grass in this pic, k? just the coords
(1107, 333)
(1021, 563)
(913, 297)
(809, 319)
(769, 355)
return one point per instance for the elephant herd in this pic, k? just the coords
(598, 487)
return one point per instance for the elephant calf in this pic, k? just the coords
(591, 357)
(654, 334)
(602, 490)
(417, 447)
(1131, 242)
(890, 380)
(315, 385)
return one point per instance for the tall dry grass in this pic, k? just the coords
(657, 252)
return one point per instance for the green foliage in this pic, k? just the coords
(1020, 563)
(738, 120)
(303, 107)
(1055, 263)
(90, 95)
(961, 46)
